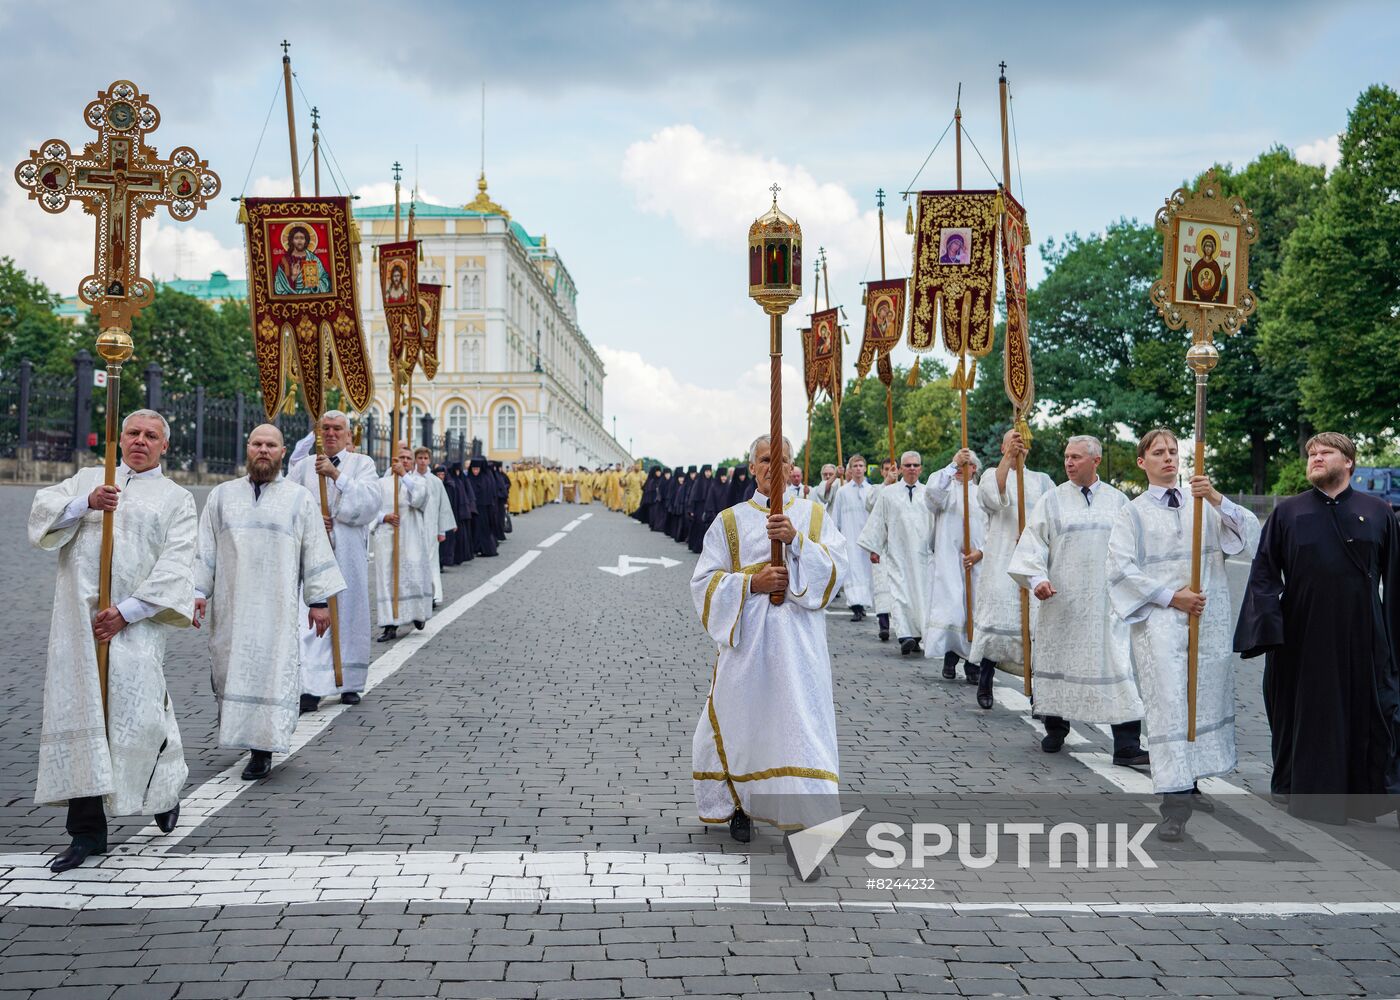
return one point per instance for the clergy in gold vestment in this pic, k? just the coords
(769, 724)
(133, 762)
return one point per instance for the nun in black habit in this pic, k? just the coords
(661, 505)
(739, 486)
(699, 497)
(464, 510)
(680, 527)
(649, 496)
(483, 487)
(502, 487)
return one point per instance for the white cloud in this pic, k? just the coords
(382, 193)
(57, 249)
(713, 190)
(1325, 152)
(680, 422)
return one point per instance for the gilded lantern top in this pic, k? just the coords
(775, 259)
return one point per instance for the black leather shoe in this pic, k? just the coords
(78, 852)
(857, 613)
(986, 673)
(167, 821)
(1136, 757)
(950, 670)
(390, 633)
(259, 766)
(418, 625)
(1171, 829)
(350, 698)
(309, 703)
(884, 635)
(969, 673)
(1052, 743)
(907, 646)
(741, 827)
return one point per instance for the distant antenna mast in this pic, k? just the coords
(483, 128)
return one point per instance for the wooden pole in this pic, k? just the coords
(1016, 416)
(807, 452)
(962, 393)
(776, 486)
(398, 415)
(114, 347)
(889, 389)
(291, 119)
(332, 605)
(1193, 622)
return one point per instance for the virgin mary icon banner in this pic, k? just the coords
(398, 283)
(884, 323)
(955, 270)
(301, 296)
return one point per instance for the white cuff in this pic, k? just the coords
(1036, 581)
(133, 609)
(1163, 597)
(74, 512)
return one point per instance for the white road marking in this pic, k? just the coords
(625, 564)
(576, 522)
(551, 540)
(220, 790)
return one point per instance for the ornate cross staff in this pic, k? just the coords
(1204, 287)
(775, 283)
(120, 181)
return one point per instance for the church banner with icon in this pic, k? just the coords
(429, 310)
(955, 257)
(884, 324)
(824, 357)
(398, 283)
(301, 295)
(1017, 374)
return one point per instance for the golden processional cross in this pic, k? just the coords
(120, 181)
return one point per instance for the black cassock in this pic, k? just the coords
(1331, 641)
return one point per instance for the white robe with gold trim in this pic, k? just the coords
(769, 724)
(259, 559)
(136, 761)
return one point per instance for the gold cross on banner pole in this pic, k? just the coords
(120, 181)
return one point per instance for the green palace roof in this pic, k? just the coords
(423, 210)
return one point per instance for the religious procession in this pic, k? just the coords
(352, 623)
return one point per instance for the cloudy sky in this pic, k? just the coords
(642, 135)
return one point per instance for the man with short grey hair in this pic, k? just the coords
(125, 757)
(899, 536)
(352, 493)
(1082, 668)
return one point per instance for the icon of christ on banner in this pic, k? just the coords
(396, 290)
(299, 268)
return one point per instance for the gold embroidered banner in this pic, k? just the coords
(955, 270)
(301, 296)
(429, 309)
(808, 369)
(824, 359)
(1016, 370)
(398, 284)
(884, 322)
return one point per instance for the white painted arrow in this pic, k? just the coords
(625, 565)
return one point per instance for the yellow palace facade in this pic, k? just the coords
(515, 371)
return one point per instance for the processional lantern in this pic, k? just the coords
(775, 283)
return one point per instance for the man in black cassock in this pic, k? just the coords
(1323, 605)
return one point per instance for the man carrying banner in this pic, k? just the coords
(414, 601)
(899, 537)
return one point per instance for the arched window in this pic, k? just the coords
(507, 438)
(473, 356)
(471, 292)
(457, 420)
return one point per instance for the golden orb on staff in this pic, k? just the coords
(775, 283)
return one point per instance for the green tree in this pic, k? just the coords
(29, 327)
(1337, 298)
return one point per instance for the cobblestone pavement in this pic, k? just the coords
(508, 813)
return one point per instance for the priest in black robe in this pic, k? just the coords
(1323, 606)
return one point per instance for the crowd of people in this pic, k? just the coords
(276, 569)
(942, 562)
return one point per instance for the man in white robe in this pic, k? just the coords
(828, 488)
(899, 536)
(1082, 668)
(996, 621)
(849, 512)
(879, 577)
(415, 593)
(438, 518)
(1149, 566)
(133, 761)
(352, 493)
(768, 731)
(945, 631)
(263, 551)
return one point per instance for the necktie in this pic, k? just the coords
(335, 460)
(1173, 497)
(911, 492)
(257, 491)
(1088, 496)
